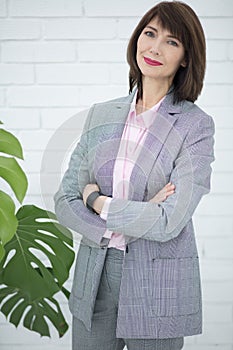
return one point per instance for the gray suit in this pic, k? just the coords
(160, 294)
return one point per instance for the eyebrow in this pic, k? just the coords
(169, 36)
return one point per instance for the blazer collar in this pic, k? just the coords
(167, 106)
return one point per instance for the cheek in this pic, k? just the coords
(176, 61)
(141, 44)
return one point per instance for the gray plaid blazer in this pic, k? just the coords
(160, 294)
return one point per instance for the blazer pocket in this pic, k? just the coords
(80, 273)
(177, 290)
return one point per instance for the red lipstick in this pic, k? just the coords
(152, 62)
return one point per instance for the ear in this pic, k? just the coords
(184, 63)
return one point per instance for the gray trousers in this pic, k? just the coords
(103, 333)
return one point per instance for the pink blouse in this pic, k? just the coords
(132, 140)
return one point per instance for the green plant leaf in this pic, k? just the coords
(8, 221)
(14, 175)
(9, 144)
(35, 267)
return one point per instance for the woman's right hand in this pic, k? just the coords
(164, 193)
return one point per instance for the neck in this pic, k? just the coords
(153, 91)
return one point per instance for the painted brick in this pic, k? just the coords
(32, 161)
(208, 347)
(201, 8)
(213, 226)
(119, 74)
(221, 183)
(217, 313)
(19, 29)
(222, 161)
(222, 116)
(218, 28)
(16, 74)
(35, 347)
(217, 50)
(102, 51)
(216, 334)
(72, 74)
(92, 94)
(188, 341)
(219, 249)
(80, 29)
(54, 118)
(34, 140)
(121, 8)
(3, 10)
(46, 184)
(126, 27)
(20, 118)
(39, 202)
(34, 184)
(21, 336)
(43, 96)
(217, 292)
(216, 270)
(2, 97)
(43, 8)
(231, 50)
(214, 95)
(231, 95)
(219, 73)
(216, 205)
(54, 162)
(38, 52)
(224, 139)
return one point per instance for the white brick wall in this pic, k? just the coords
(57, 57)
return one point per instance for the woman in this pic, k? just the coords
(132, 186)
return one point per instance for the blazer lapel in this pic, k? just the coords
(156, 138)
(106, 151)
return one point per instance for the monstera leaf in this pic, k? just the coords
(13, 174)
(36, 265)
(9, 144)
(8, 221)
(10, 170)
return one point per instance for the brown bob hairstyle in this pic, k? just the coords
(182, 22)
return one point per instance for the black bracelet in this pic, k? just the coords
(90, 200)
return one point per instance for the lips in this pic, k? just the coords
(152, 62)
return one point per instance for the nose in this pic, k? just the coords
(156, 48)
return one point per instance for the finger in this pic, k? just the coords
(169, 185)
(169, 188)
(170, 193)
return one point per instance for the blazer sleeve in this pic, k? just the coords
(69, 206)
(191, 176)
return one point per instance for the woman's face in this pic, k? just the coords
(159, 53)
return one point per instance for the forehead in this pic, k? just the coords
(166, 27)
(156, 23)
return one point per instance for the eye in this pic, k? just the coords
(173, 43)
(149, 33)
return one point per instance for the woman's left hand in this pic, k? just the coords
(89, 188)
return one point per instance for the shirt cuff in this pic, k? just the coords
(104, 211)
(107, 234)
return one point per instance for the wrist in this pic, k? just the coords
(95, 201)
(99, 203)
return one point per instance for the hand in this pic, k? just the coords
(89, 188)
(165, 192)
(99, 202)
